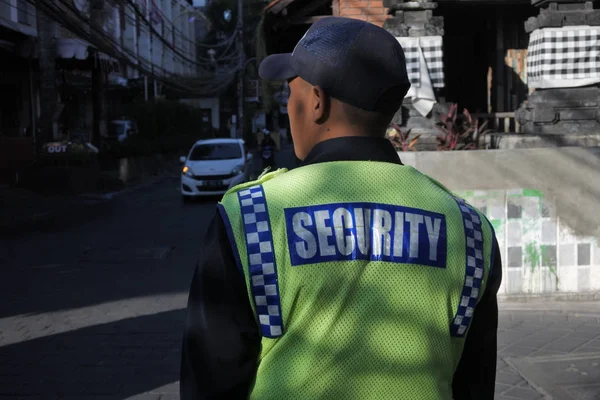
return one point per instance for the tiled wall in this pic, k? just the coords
(540, 253)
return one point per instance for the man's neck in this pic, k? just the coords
(347, 130)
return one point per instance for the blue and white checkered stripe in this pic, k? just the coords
(474, 270)
(261, 260)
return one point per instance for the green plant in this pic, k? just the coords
(536, 256)
(400, 140)
(477, 132)
(532, 255)
(460, 131)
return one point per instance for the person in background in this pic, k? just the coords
(268, 147)
(352, 276)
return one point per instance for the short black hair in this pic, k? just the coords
(373, 122)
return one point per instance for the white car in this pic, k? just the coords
(213, 166)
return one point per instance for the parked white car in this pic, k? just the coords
(213, 166)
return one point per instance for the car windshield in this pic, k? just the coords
(220, 151)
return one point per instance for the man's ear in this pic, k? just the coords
(320, 105)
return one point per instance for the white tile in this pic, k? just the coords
(514, 234)
(549, 232)
(568, 279)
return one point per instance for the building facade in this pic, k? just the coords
(68, 69)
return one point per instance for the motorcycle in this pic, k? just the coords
(268, 156)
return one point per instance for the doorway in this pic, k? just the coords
(485, 50)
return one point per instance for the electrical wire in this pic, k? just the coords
(139, 62)
(210, 62)
(152, 31)
(160, 37)
(171, 23)
(174, 28)
(144, 65)
(108, 45)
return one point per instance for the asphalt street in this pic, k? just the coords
(96, 311)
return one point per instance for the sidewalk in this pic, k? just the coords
(548, 350)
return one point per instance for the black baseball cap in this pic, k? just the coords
(354, 61)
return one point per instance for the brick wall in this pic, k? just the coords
(366, 10)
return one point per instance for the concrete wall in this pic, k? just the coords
(506, 141)
(544, 205)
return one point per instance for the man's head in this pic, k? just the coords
(347, 78)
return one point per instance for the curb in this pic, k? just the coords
(550, 297)
(567, 308)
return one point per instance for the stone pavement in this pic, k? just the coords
(549, 350)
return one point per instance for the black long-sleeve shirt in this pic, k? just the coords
(222, 340)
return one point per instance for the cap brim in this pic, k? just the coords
(277, 67)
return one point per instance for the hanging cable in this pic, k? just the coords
(107, 44)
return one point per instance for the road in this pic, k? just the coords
(96, 311)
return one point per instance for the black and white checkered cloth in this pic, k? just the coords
(432, 48)
(563, 57)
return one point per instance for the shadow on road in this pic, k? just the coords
(98, 277)
(116, 360)
(71, 323)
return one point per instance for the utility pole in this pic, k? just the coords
(48, 91)
(151, 41)
(99, 77)
(242, 55)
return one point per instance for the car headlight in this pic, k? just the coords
(238, 170)
(187, 171)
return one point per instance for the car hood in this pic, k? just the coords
(213, 167)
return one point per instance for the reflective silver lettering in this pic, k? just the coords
(342, 219)
(398, 233)
(414, 220)
(324, 232)
(382, 224)
(433, 232)
(308, 248)
(363, 229)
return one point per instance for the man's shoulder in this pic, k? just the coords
(262, 179)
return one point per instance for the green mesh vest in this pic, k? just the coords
(363, 277)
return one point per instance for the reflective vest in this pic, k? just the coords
(364, 277)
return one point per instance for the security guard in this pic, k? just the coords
(352, 276)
